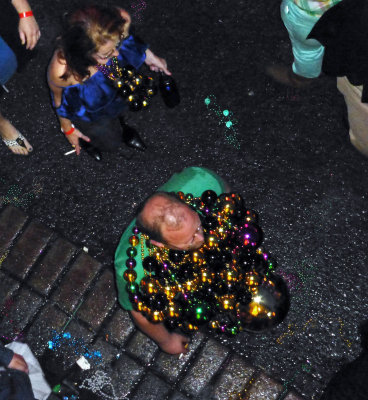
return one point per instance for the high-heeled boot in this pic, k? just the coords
(131, 137)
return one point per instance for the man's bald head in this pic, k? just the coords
(167, 220)
(158, 209)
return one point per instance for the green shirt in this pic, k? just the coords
(193, 180)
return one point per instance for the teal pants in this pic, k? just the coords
(308, 53)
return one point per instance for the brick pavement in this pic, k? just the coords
(47, 284)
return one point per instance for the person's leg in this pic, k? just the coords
(15, 384)
(8, 62)
(11, 137)
(105, 134)
(130, 136)
(308, 53)
(16, 143)
(357, 114)
(108, 134)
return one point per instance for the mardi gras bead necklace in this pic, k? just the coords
(114, 72)
(136, 88)
(228, 284)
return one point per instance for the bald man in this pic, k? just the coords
(172, 224)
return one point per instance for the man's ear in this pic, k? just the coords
(158, 244)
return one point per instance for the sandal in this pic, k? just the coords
(19, 141)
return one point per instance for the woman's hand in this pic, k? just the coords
(74, 139)
(29, 32)
(156, 63)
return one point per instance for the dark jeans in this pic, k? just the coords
(15, 385)
(8, 62)
(106, 134)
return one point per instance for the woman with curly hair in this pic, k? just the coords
(96, 42)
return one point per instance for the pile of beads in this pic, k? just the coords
(78, 345)
(101, 384)
(132, 86)
(227, 284)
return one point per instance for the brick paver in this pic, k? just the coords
(47, 284)
(125, 373)
(172, 366)
(234, 376)
(205, 366)
(152, 388)
(7, 286)
(178, 396)
(56, 258)
(100, 301)
(78, 345)
(142, 347)
(27, 249)
(265, 388)
(15, 321)
(120, 327)
(108, 351)
(50, 319)
(12, 220)
(76, 281)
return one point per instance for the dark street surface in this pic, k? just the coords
(295, 167)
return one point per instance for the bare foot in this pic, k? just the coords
(9, 132)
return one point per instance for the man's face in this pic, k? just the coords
(189, 236)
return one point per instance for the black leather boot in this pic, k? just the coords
(131, 137)
(91, 150)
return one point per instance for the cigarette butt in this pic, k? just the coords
(181, 355)
(69, 152)
(186, 345)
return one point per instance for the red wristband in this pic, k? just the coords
(26, 14)
(70, 131)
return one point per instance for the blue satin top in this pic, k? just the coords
(96, 97)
